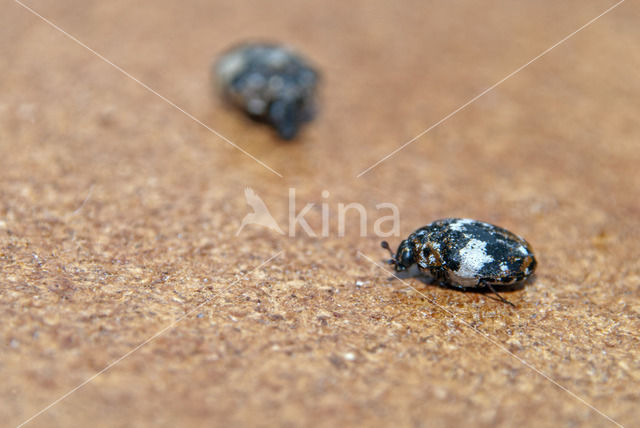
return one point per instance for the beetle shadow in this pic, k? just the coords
(428, 280)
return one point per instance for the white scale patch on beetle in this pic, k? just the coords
(473, 258)
(459, 224)
(228, 67)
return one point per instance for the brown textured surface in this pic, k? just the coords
(319, 336)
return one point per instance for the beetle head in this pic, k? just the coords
(403, 258)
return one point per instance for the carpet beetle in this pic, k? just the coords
(466, 253)
(271, 83)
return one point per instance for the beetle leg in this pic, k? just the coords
(488, 285)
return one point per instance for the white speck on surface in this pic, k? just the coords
(349, 356)
(523, 250)
(432, 259)
(504, 267)
(472, 258)
(440, 393)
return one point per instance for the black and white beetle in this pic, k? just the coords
(270, 83)
(466, 253)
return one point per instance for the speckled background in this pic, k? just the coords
(118, 215)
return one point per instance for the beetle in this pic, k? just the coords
(465, 253)
(271, 83)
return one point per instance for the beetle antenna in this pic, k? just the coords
(385, 245)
